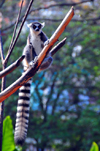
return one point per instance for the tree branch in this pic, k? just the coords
(40, 99)
(12, 67)
(1, 49)
(33, 69)
(17, 21)
(58, 46)
(55, 103)
(51, 92)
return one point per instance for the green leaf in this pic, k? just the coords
(8, 138)
(94, 147)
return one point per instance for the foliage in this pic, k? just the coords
(8, 138)
(94, 147)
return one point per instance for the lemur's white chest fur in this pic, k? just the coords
(37, 43)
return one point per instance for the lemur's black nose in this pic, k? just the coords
(37, 29)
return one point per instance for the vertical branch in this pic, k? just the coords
(2, 88)
(17, 21)
(1, 49)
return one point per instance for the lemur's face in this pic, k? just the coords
(36, 27)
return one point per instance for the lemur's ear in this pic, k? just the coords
(29, 25)
(43, 24)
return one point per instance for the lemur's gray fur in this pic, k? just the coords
(35, 43)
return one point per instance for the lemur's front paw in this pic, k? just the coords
(33, 61)
(46, 42)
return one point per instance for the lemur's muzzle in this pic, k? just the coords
(37, 29)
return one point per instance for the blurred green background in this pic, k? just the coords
(65, 99)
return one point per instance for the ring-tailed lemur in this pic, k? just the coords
(35, 44)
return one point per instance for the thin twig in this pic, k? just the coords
(1, 49)
(33, 69)
(60, 5)
(17, 21)
(12, 67)
(24, 19)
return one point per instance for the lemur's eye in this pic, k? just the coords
(34, 26)
(39, 26)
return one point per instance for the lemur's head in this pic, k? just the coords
(36, 27)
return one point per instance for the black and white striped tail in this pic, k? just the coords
(22, 115)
